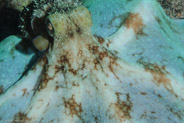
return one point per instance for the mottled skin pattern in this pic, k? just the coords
(81, 78)
(79, 58)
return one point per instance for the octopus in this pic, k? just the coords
(82, 77)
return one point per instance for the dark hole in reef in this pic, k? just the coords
(8, 22)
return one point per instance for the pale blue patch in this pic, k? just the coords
(12, 62)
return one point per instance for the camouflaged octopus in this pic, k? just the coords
(84, 78)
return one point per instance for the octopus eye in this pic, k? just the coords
(41, 43)
(50, 28)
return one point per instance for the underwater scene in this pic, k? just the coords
(92, 61)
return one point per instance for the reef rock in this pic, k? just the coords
(135, 74)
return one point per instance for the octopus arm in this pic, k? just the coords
(17, 97)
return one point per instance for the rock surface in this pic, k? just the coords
(173, 8)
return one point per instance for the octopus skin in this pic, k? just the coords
(84, 78)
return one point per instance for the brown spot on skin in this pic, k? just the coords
(159, 75)
(138, 54)
(159, 95)
(134, 21)
(96, 120)
(74, 72)
(102, 55)
(100, 40)
(144, 115)
(74, 84)
(57, 87)
(44, 79)
(108, 43)
(78, 30)
(83, 66)
(112, 64)
(64, 60)
(24, 91)
(141, 33)
(42, 61)
(74, 108)
(20, 118)
(93, 49)
(96, 62)
(143, 93)
(111, 69)
(123, 108)
(1, 89)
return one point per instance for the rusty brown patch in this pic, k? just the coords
(143, 93)
(96, 62)
(96, 120)
(74, 108)
(134, 21)
(74, 72)
(57, 87)
(108, 43)
(20, 118)
(100, 40)
(112, 70)
(93, 49)
(64, 59)
(45, 78)
(83, 65)
(75, 84)
(1, 89)
(159, 74)
(144, 115)
(78, 30)
(102, 55)
(123, 108)
(141, 33)
(159, 95)
(24, 91)
(42, 61)
(113, 62)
